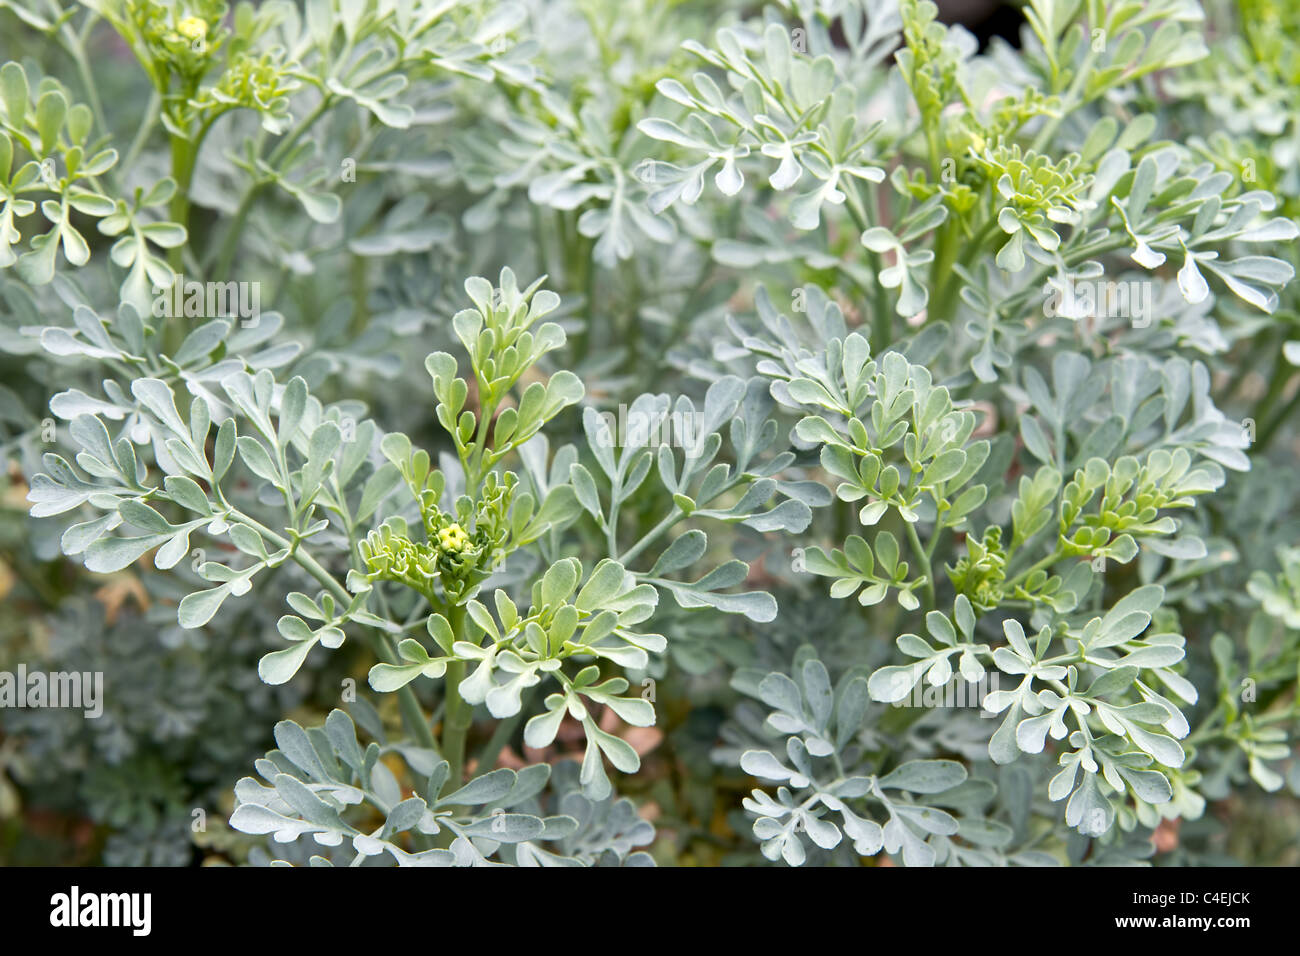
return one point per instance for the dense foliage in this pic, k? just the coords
(607, 432)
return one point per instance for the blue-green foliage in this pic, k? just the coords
(651, 410)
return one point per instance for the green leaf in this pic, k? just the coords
(925, 776)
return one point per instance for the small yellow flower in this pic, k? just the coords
(453, 538)
(193, 28)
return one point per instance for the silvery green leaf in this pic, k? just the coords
(489, 787)
(682, 553)
(925, 776)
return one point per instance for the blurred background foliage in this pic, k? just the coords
(488, 176)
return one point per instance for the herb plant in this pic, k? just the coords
(659, 412)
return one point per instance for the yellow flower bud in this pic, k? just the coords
(453, 538)
(193, 28)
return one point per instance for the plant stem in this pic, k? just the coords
(412, 713)
(1048, 561)
(672, 518)
(75, 45)
(183, 157)
(147, 123)
(882, 321)
(474, 467)
(1073, 100)
(924, 558)
(457, 714)
(941, 274)
(226, 254)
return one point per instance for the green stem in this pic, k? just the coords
(882, 330)
(929, 121)
(922, 556)
(147, 123)
(934, 543)
(416, 722)
(75, 46)
(1048, 561)
(673, 517)
(184, 155)
(589, 296)
(457, 715)
(226, 255)
(474, 467)
(978, 243)
(282, 149)
(1072, 101)
(941, 274)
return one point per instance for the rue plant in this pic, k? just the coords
(848, 442)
